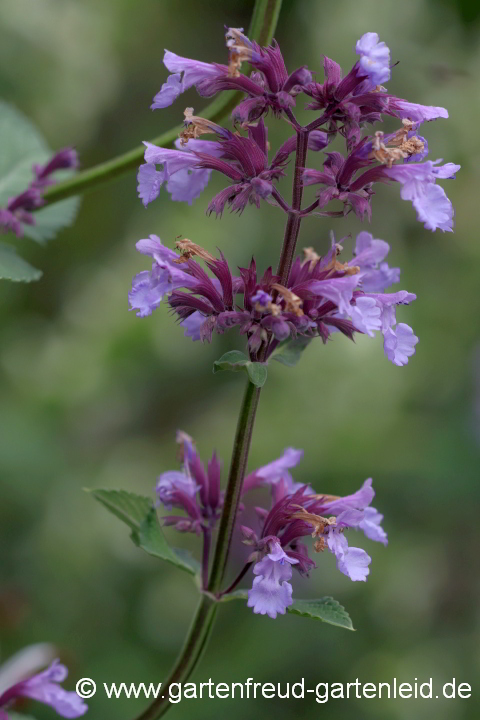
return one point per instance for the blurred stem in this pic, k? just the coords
(262, 27)
(191, 653)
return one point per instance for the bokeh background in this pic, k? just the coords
(91, 396)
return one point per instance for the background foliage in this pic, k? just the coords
(91, 396)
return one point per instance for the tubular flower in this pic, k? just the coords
(45, 687)
(243, 160)
(193, 489)
(322, 295)
(293, 517)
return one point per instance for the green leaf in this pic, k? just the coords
(326, 609)
(257, 372)
(138, 513)
(289, 352)
(237, 361)
(150, 538)
(132, 509)
(22, 147)
(16, 716)
(13, 267)
(232, 360)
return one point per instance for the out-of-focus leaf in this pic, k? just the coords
(289, 352)
(237, 361)
(14, 267)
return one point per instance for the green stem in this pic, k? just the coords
(262, 26)
(238, 465)
(191, 653)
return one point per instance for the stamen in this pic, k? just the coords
(319, 524)
(293, 303)
(239, 48)
(188, 249)
(310, 256)
(195, 126)
(401, 146)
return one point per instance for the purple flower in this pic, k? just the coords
(193, 489)
(45, 688)
(192, 325)
(433, 207)
(185, 74)
(262, 298)
(276, 473)
(149, 287)
(374, 58)
(412, 111)
(368, 256)
(399, 344)
(271, 594)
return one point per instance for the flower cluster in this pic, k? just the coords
(348, 103)
(297, 512)
(19, 208)
(43, 687)
(322, 296)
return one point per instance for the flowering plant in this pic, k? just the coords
(279, 311)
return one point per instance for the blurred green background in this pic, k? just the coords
(91, 396)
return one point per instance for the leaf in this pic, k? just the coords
(132, 509)
(138, 513)
(289, 352)
(22, 147)
(326, 609)
(257, 372)
(232, 360)
(237, 361)
(13, 267)
(150, 538)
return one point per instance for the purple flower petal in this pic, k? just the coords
(192, 325)
(150, 180)
(374, 58)
(168, 93)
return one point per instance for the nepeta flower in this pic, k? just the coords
(186, 73)
(193, 489)
(271, 593)
(45, 688)
(374, 58)
(276, 475)
(296, 515)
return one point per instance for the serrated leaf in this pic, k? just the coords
(289, 352)
(22, 147)
(257, 372)
(132, 509)
(233, 360)
(13, 267)
(326, 609)
(150, 538)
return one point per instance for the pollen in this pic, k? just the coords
(194, 126)
(293, 303)
(188, 249)
(398, 147)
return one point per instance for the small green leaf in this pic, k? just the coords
(237, 361)
(257, 372)
(232, 360)
(326, 609)
(289, 352)
(13, 267)
(130, 508)
(15, 716)
(150, 538)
